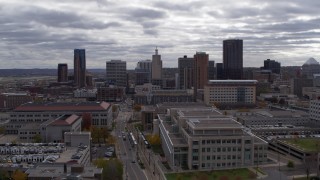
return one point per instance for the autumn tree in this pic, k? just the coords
(154, 140)
(137, 107)
(86, 121)
(19, 175)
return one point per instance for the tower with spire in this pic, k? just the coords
(156, 70)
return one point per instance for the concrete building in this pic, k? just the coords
(205, 139)
(159, 96)
(13, 100)
(233, 58)
(116, 73)
(156, 74)
(85, 93)
(230, 92)
(64, 171)
(186, 68)
(80, 68)
(314, 111)
(201, 63)
(309, 68)
(312, 93)
(297, 84)
(73, 139)
(146, 88)
(111, 93)
(147, 116)
(62, 72)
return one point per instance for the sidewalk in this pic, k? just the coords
(258, 173)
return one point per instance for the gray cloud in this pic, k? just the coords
(46, 32)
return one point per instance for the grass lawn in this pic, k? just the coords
(309, 144)
(234, 174)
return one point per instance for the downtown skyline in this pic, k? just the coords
(42, 34)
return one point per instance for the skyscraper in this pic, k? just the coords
(185, 68)
(116, 71)
(143, 72)
(156, 71)
(201, 63)
(272, 65)
(62, 72)
(80, 67)
(233, 58)
(211, 70)
(219, 74)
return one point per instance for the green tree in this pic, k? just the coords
(3, 174)
(290, 164)
(114, 108)
(37, 138)
(112, 169)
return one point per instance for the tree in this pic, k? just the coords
(114, 108)
(86, 121)
(290, 164)
(154, 139)
(19, 175)
(282, 101)
(112, 169)
(137, 107)
(37, 138)
(3, 174)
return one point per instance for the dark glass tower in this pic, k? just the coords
(233, 58)
(62, 72)
(80, 67)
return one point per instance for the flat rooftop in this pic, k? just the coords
(214, 123)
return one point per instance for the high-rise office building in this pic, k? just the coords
(143, 72)
(156, 72)
(272, 65)
(185, 68)
(116, 71)
(220, 73)
(201, 63)
(211, 70)
(80, 67)
(233, 58)
(62, 72)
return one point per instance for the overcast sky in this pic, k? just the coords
(43, 33)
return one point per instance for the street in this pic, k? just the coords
(125, 151)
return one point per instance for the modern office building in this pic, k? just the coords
(116, 71)
(201, 63)
(156, 74)
(186, 67)
(211, 70)
(272, 65)
(63, 72)
(80, 67)
(230, 92)
(220, 73)
(143, 72)
(309, 68)
(233, 58)
(205, 139)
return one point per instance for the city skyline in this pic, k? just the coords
(44, 33)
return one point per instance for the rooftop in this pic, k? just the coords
(306, 144)
(65, 120)
(64, 106)
(214, 123)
